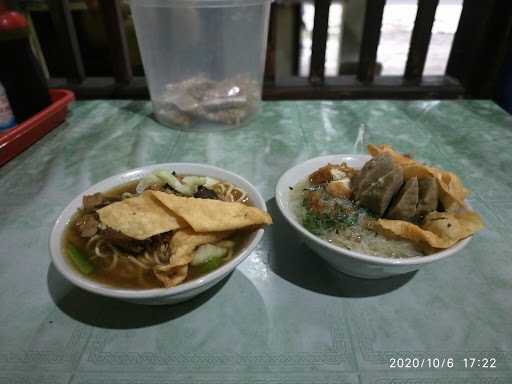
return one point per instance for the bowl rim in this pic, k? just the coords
(73, 276)
(282, 191)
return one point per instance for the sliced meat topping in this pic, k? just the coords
(403, 206)
(377, 196)
(205, 193)
(123, 242)
(95, 201)
(373, 170)
(428, 197)
(87, 225)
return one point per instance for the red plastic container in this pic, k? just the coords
(19, 138)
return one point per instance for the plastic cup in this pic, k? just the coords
(203, 59)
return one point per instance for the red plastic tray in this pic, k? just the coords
(19, 138)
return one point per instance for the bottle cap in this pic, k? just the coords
(13, 25)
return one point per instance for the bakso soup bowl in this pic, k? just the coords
(154, 296)
(352, 263)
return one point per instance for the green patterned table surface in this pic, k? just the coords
(283, 316)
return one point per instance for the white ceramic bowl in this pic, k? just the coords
(159, 296)
(350, 262)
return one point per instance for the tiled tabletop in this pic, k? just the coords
(283, 316)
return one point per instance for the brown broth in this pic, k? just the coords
(126, 274)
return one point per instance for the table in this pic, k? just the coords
(283, 316)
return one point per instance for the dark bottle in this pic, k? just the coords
(20, 72)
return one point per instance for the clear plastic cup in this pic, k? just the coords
(203, 59)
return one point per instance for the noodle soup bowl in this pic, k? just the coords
(156, 296)
(350, 262)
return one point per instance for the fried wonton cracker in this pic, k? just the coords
(207, 215)
(439, 229)
(173, 277)
(140, 217)
(185, 241)
(381, 149)
(451, 190)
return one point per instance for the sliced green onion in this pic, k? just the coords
(80, 261)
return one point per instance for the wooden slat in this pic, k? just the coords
(293, 88)
(116, 37)
(420, 39)
(370, 40)
(270, 62)
(63, 21)
(40, 6)
(348, 87)
(319, 42)
(104, 88)
(297, 27)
